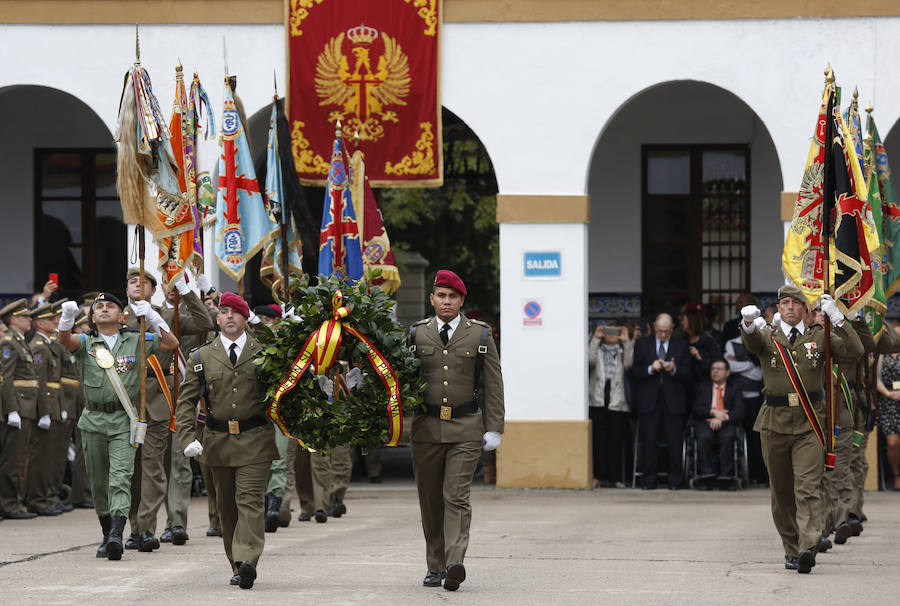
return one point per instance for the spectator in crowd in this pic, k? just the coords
(769, 312)
(47, 295)
(731, 328)
(3, 329)
(747, 374)
(663, 371)
(719, 410)
(610, 355)
(702, 347)
(889, 408)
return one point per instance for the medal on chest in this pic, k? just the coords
(124, 364)
(104, 358)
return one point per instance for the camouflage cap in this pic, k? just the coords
(789, 290)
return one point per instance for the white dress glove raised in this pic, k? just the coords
(14, 420)
(288, 312)
(194, 449)
(750, 313)
(776, 320)
(829, 307)
(143, 308)
(69, 311)
(354, 378)
(253, 320)
(491, 440)
(204, 283)
(44, 422)
(182, 286)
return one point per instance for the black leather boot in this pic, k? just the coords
(105, 525)
(114, 545)
(273, 518)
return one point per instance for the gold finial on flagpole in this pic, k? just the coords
(137, 44)
(337, 129)
(178, 67)
(829, 74)
(869, 108)
(854, 104)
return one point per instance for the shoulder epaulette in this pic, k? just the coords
(423, 321)
(6, 338)
(479, 322)
(200, 346)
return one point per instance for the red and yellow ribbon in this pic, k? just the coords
(321, 347)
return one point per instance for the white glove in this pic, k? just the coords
(830, 308)
(491, 440)
(750, 313)
(354, 378)
(70, 453)
(776, 320)
(69, 311)
(325, 384)
(756, 323)
(181, 285)
(63, 415)
(204, 283)
(853, 315)
(253, 320)
(143, 308)
(44, 422)
(288, 312)
(14, 420)
(194, 449)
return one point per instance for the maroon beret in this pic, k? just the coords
(447, 278)
(229, 299)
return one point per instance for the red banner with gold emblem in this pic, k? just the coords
(373, 66)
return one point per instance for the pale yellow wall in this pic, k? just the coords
(545, 454)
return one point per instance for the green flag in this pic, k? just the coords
(874, 312)
(890, 210)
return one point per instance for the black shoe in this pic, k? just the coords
(65, 507)
(114, 545)
(247, 574)
(856, 526)
(133, 542)
(790, 562)
(375, 480)
(456, 574)
(338, 509)
(284, 518)
(235, 580)
(806, 561)
(321, 517)
(674, 487)
(48, 511)
(105, 526)
(83, 505)
(273, 505)
(213, 532)
(823, 545)
(166, 536)
(863, 518)
(304, 517)
(20, 515)
(433, 579)
(179, 535)
(842, 533)
(147, 542)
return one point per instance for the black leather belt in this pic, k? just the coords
(103, 406)
(816, 396)
(233, 426)
(445, 413)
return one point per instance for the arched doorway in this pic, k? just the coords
(677, 214)
(61, 210)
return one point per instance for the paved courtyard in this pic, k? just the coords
(604, 546)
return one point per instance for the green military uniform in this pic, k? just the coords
(18, 393)
(104, 424)
(791, 451)
(150, 468)
(43, 452)
(238, 441)
(445, 452)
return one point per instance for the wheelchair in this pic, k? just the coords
(691, 458)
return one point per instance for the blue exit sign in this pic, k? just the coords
(543, 264)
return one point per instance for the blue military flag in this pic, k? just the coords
(339, 248)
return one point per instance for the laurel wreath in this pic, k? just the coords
(359, 418)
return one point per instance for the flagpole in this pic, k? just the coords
(141, 252)
(285, 212)
(827, 203)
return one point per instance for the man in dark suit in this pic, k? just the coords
(718, 410)
(662, 372)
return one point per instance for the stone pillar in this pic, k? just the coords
(412, 294)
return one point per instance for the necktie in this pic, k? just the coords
(445, 333)
(661, 354)
(794, 334)
(232, 354)
(719, 400)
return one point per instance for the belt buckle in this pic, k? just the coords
(793, 399)
(234, 428)
(446, 413)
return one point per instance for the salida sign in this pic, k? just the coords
(546, 264)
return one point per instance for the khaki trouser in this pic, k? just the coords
(444, 479)
(181, 478)
(859, 469)
(42, 450)
(240, 497)
(841, 491)
(372, 459)
(153, 475)
(796, 464)
(299, 478)
(81, 485)
(210, 483)
(330, 476)
(109, 458)
(66, 429)
(13, 457)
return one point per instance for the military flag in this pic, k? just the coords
(242, 224)
(199, 183)
(339, 248)
(271, 270)
(890, 210)
(376, 246)
(374, 67)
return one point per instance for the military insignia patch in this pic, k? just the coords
(38, 358)
(7, 352)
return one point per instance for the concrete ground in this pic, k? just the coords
(606, 546)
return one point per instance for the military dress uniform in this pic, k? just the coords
(238, 441)
(792, 453)
(105, 426)
(151, 481)
(18, 393)
(41, 493)
(446, 438)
